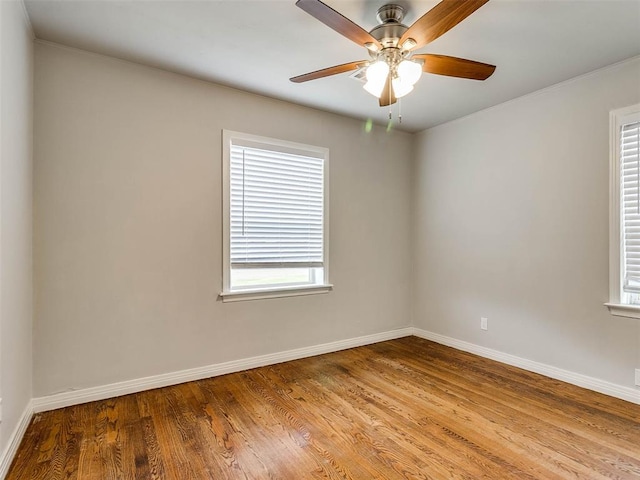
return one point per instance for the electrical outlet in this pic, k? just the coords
(484, 323)
(638, 377)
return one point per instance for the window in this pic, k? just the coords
(624, 261)
(275, 218)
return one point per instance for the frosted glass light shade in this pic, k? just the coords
(409, 72)
(400, 88)
(378, 72)
(376, 78)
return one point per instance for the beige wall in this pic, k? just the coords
(128, 225)
(511, 223)
(16, 67)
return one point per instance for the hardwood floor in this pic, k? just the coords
(402, 409)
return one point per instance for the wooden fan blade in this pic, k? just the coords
(439, 20)
(455, 67)
(337, 22)
(326, 72)
(387, 98)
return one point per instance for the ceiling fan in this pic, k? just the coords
(393, 68)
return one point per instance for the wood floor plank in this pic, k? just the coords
(297, 421)
(371, 395)
(373, 442)
(169, 435)
(570, 438)
(402, 409)
(482, 424)
(266, 439)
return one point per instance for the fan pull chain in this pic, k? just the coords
(400, 110)
(389, 92)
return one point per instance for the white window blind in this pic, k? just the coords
(277, 205)
(630, 181)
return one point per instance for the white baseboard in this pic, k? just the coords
(15, 439)
(595, 384)
(76, 397)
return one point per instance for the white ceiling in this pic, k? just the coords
(257, 45)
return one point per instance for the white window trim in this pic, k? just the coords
(227, 295)
(615, 305)
(278, 292)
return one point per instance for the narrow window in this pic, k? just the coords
(625, 213)
(629, 134)
(275, 217)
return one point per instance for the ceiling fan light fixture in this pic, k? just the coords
(377, 74)
(392, 67)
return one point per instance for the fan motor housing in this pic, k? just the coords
(390, 29)
(390, 13)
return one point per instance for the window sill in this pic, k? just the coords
(624, 310)
(263, 293)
